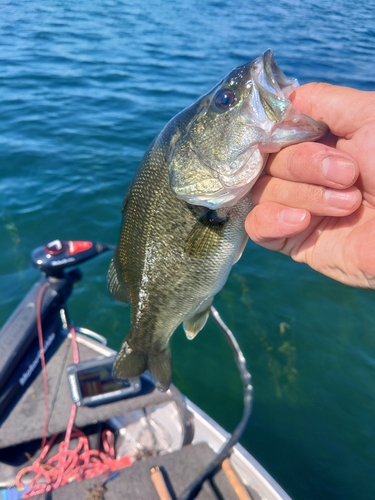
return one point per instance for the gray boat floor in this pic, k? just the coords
(180, 468)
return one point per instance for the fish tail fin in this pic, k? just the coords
(130, 363)
(160, 366)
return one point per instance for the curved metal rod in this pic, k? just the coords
(193, 489)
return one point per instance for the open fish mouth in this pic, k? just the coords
(267, 74)
(269, 108)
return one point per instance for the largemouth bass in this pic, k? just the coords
(184, 212)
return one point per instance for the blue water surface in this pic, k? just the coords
(85, 87)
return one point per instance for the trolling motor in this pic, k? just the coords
(56, 255)
(19, 346)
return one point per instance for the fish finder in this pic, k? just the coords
(91, 382)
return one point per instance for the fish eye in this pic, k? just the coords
(224, 99)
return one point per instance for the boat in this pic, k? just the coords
(69, 431)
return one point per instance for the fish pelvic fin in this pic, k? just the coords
(116, 285)
(130, 363)
(241, 249)
(194, 324)
(206, 235)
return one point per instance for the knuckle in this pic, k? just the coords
(296, 160)
(312, 195)
(304, 161)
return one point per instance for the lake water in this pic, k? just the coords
(85, 86)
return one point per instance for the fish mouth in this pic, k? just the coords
(268, 99)
(268, 107)
(267, 75)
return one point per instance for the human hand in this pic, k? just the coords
(316, 202)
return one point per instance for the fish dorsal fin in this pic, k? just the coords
(196, 322)
(206, 235)
(116, 285)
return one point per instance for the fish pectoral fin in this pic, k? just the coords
(206, 234)
(130, 363)
(116, 287)
(196, 322)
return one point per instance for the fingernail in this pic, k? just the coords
(339, 170)
(339, 199)
(292, 215)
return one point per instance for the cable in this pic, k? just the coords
(42, 358)
(193, 489)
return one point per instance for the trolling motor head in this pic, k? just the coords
(56, 255)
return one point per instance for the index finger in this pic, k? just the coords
(343, 109)
(314, 163)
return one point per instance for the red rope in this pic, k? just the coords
(67, 465)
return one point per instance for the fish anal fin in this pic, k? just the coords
(194, 324)
(206, 235)
(116, 285)
(131, 363)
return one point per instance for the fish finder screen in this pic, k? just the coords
(91, 382)
(98, 380)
